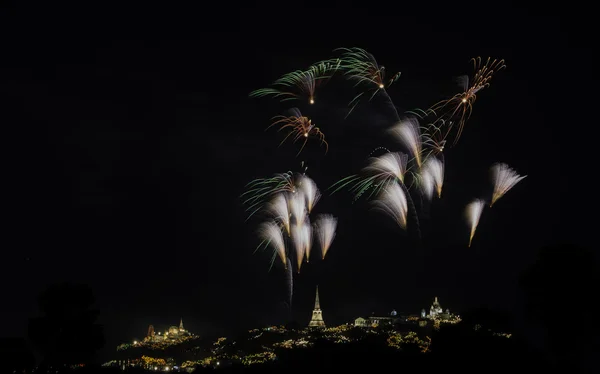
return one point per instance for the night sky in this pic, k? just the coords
(126, 158)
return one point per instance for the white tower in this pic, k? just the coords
(436, 308)
(317, 314)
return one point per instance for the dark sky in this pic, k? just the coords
(126, 157)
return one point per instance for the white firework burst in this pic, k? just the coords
(278, 208)
(392, 201)
(407, 132)
(435, 168)
(503, 178)
(325, 228)
(310, 190)
(473, 214)
(297, 206)
(427, 183)
(270, 233)
(307, 233)
(299, 239)
(393, 164)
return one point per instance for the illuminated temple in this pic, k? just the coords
(172, 333)
(435, 316)
(317, 314)
(436, 311)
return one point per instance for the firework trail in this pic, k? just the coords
(433, 135)
(307, 234)
(298, 127)
(299, 243)
(413, 210)
(473, 214)
(297, 206)
(376, 175)
(381, 172)
(408, 133)
(278, 209)
(310, 191)
(325, 228)
(393, 202)
(392, 165)
(458, 108)
(361, 67)
(260, 190)
(435, 168)
(384, 149)
(503, 178)
(289, 275)
(300, 83)
(270, 233)
(427, 184)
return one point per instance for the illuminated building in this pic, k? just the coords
(392, 319)
(317, 314)
(437, 315)
(436, 312)
(435, 309)
(173, 333)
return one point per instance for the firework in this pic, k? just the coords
(310, 191)
(473, 213)
(393, 165)
(504, 178)
(325, 228)
(379, 172)
(427, 183)
(460, 106)
(361, 67)
(300, 241)
(408, 133)
(289, 275)
(260, 190)
(278, 209)
(435, 168)
(307, 234)
(300, 83)
(392, 201)
(270, 234)
(433, 135)
(298, 127)
(297, 206)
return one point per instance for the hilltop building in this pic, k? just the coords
(317, 314)
(436, 311)
(435, 316)
(392, 319)
(438, 316)
(172, 333)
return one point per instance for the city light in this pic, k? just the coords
(262, 345)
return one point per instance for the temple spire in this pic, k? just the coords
(181, 324)
(317, 314)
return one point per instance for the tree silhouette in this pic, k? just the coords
(15, 355)
(563, 286)
(66, 333)
(474, 346)
(487, 320)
